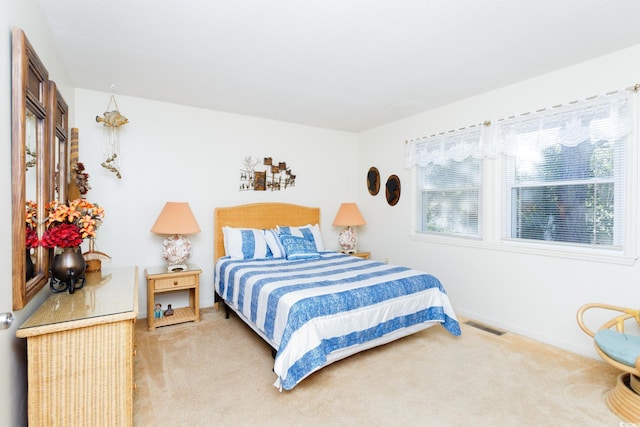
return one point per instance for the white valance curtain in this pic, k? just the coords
(607, 117)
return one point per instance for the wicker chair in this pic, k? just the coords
(622, 351)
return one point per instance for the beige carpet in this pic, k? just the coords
(218, 372)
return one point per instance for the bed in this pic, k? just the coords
(314, 306)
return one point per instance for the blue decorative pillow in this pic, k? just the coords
(245, 243)
(311, 232)
(274, 243)
(298, 247)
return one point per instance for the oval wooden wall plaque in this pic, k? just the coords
(373, 181)
(393, 190)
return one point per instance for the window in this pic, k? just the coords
(566, 195)
(564, 175)
(450, 198)
(449, 182)
(559, 177)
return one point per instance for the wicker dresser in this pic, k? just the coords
(80, 353)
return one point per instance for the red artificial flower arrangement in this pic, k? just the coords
(69, 224)
(31, 238)
(64, 235)
(31, 222)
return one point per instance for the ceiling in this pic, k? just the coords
(339, 64)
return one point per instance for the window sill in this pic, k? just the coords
(530, 248)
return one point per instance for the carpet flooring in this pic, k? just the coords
(219, 372)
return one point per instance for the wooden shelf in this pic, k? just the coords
(180, 315)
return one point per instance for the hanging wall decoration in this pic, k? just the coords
(81, 178)
(72, 190)
(268, 176)
(393, 190)
(373, 181)
(112, 121)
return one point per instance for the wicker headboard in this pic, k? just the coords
(259, 215)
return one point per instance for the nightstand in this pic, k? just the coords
(159, 280)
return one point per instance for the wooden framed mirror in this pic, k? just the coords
(30, 165)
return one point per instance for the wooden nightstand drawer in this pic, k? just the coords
(175, 283)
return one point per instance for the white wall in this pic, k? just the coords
(24, 14)
(533, 295)
(176, 153)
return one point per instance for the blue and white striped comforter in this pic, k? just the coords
(318, 311)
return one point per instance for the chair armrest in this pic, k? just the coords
(617, 321)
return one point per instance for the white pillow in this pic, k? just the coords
(245, 243)
(311, 232)
(274, 243)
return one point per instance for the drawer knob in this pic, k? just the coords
(175, 283)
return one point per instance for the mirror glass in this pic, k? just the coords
(59, 136)
(31, 154)
(30, 181)
(57, 188)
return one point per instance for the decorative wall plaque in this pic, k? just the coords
(271, 175)
(260, 181)
(373, 181)
(393, 190)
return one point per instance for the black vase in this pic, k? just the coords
(67, 270)
(28, 265)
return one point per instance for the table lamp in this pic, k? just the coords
(348, 216)
(176, 220)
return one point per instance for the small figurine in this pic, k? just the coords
(158, 311)
(169, 311)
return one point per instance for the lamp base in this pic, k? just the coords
(175, 251)
(176, 267)
(347, 240)
(348, 251)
